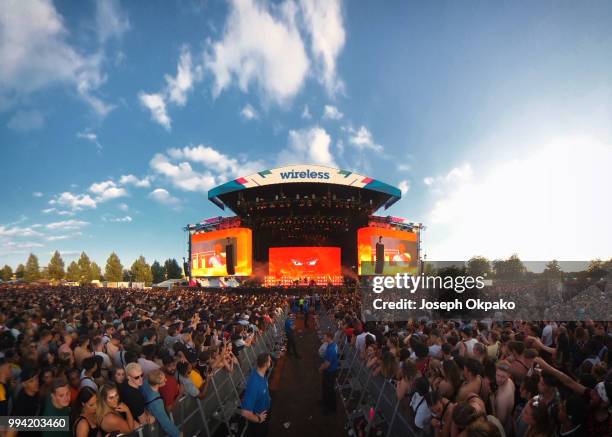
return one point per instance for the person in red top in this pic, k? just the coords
(171, 390)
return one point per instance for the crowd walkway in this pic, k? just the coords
(297, 390)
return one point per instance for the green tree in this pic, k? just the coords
(512, 268)
(96, 272)
(173, 270)
(158, 272)
(478, 266)
(56, 267)
(553, 270)
(85, 273)
(6, 273)
(32, 269)
(20, 272)
(126, 276)
(113, 271)
(73, 273)
(597, 269)
(141, 271)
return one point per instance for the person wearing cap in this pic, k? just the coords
(27, 402)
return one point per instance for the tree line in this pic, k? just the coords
(513, 268)
(85, 271)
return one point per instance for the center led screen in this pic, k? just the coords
(399, 248)
(210, 250)
(300, 262)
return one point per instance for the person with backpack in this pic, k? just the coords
(154, 402)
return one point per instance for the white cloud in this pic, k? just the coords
(404, 167)
(248, 112)
(546, 204)
(18, 231)
(404, 186)
(162, 196)
(308, 145)
(75, 202)
(123, 207)
(133, 180)
(261, 46)
(35, 54)
(37, 194)
(186, 76)
(323, 20)
(306, 113)
(58, 237)
(21, 245)
(107, 190)
(176, 89)
(182, 175)
(25, 121)
(66, 225)
(363, 140)
(177, 167)
(111, 20)
(332, 113)
(126, 219)
(91, 137)
(156, 104)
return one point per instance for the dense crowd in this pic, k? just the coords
(115, 359)
(486, 378)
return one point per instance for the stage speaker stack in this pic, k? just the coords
(229, 259)
(380, 259)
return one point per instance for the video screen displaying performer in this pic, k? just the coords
(383, 251)
(304, 262)
(221, 253)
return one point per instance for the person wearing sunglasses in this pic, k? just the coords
(131, 395)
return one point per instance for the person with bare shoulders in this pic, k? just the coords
(113, 415)
(441, 414)
(474, 383)
(84, 421)
(504, 395)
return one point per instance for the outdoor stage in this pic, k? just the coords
(301, 225)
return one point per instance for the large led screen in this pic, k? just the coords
(399, 248)
(209, 252)
(304, 262)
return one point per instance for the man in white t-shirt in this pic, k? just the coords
(360, 341)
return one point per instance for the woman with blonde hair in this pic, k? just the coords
(113, 415)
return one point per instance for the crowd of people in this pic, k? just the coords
(487, 378)
(115, 359)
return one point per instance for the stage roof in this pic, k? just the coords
(225, 195)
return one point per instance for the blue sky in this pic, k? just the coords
(493, 118)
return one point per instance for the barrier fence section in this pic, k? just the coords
(221, 404)
(370, 402)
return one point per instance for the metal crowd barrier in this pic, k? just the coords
(221, 404)
(363, 393)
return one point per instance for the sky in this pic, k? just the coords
(493, 118)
